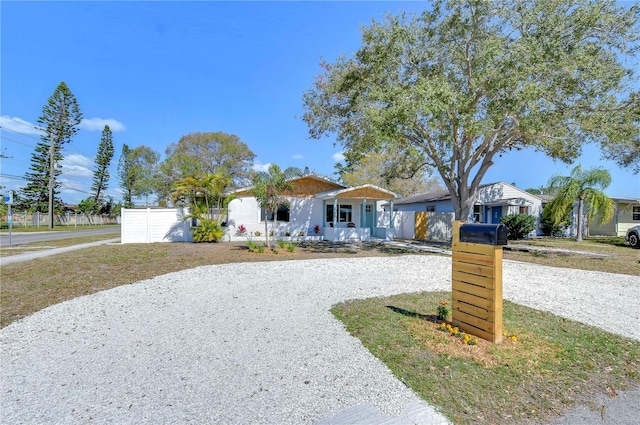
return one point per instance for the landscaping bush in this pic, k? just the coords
(548, 226)
(519, 225)
(208, 231)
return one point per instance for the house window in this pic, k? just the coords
(344, 213)
(431, 208)
(635, 213)
(367, 208)
(477, 213)
(523, 210)
(282, 214)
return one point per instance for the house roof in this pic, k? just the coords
(435, 196)
(303, 186)
(444, 195)
(629, 200)
(365, 191)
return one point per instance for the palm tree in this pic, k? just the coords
(268, 188)
(201, 192)
(586, 187)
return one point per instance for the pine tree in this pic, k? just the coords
(59, 120)
(101, 174)
(125, 175)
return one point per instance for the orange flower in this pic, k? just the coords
(444, 302)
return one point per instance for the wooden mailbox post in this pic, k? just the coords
(477, 283)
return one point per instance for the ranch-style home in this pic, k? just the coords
(317, 207)
(627, 215)
(429, 215)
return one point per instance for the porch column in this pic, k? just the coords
(391, 214)
(335, 212)
(363, 212)
(324, 213)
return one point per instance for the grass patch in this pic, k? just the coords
(605, 254)
(554, 364)
(58, 243)
(57, 228)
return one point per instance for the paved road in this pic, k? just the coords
(19, 238)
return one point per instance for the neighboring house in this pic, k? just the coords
(340, 212)
(627, 215)
(429, 215)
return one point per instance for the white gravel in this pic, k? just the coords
(250, 343)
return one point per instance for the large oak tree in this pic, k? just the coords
(467, 80)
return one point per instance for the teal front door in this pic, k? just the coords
(368, 217)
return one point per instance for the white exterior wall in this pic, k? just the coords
(154, 225)
(304, 213)
(404, 223)
(506, 192)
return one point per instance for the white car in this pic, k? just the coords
(633, 236)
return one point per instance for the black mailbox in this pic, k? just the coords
(487, 234)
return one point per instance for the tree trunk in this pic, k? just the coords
(266, 227)
(579, 220)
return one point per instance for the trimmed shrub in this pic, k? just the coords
(208, 231)
(519, 225)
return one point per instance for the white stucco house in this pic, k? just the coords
(429, 215)
(338, 212)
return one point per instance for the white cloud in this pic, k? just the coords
(18, 125)
(338, 156)
(98, 124)
(262, 167)
(297, 156)
(77, 165)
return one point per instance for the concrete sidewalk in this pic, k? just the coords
(47, 252)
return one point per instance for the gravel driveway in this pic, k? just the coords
(250, 343)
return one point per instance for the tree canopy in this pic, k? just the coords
(391, 171)
(467, 80)
(137, 171)
(199, 154)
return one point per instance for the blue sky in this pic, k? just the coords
(155, 71)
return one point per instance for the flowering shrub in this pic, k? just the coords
(455, 331)
(316, 229)
(242, 230)
(511, 337)
(443, 310)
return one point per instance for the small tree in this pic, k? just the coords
(137, 170)
(519, 225)
(201, 193)
(549, 226)
(584, 187)
(268, 189)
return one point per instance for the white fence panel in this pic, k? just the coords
(154, 225)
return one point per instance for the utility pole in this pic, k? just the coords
(51, 178)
